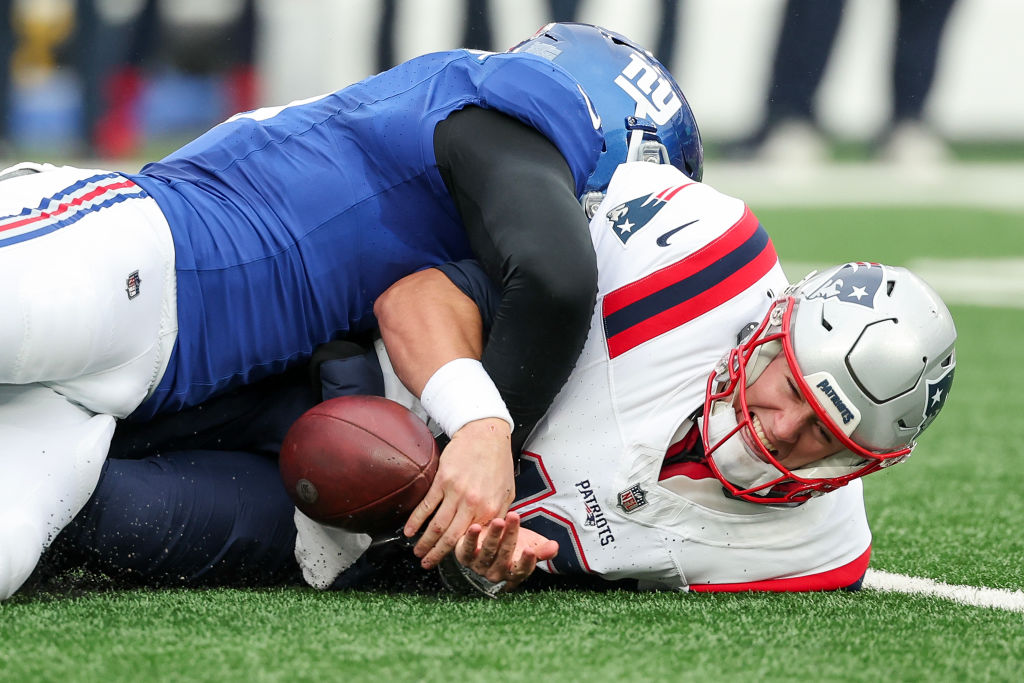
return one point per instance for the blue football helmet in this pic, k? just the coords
(643, 112)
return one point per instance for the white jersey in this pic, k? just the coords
(682, 269)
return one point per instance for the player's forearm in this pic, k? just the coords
(516, 196)
(426, 322)
(536, 338)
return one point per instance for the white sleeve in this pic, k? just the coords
(51, 454)
(324, 552)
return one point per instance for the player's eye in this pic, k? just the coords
(824, 434)
(793, 389)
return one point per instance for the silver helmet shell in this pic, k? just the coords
(886, 338)
(871, 348)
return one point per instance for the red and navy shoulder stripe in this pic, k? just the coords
(689, 288)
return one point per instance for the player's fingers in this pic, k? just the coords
(489, 546)
(423, 511)
(506, 551)
(522, 568)
(438, 527)
(546, 551)
(466, 549)
(442, 544)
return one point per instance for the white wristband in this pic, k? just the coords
(461, 391)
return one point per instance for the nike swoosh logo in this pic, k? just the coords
(663, 240)
(594, 117)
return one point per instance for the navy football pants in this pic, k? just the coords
(189, 518)
(195, 498)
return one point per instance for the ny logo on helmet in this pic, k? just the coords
(855, 283)
(654, 97)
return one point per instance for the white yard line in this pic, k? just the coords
(997, 598)
(980, 185)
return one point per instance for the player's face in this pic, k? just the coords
(783, 420)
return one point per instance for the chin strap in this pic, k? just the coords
(462, 580)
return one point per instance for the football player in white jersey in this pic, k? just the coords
(682, 457)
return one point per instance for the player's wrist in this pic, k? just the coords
(461, 580)
(486, 427)
(461, 392)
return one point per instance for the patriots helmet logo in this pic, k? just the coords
(938, 390)
(627, 218)
(855, 283)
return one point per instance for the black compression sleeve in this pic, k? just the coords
(516, 196)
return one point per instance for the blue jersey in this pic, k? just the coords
(289, 222)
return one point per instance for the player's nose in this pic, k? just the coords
(791, 421)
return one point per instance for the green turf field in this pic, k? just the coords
(953, 513)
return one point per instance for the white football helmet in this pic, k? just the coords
(870, 348)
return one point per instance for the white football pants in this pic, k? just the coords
(50, 459)
(87, 272)
(88, 319)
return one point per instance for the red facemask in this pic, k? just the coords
(770, 482)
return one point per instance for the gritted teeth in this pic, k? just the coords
(759, 431)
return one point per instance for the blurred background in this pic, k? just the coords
(790, 82)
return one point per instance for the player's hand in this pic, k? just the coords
(504, 551)
(474, 483)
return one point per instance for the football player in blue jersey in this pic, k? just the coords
(232, 259)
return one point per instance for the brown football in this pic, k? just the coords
(361, 463)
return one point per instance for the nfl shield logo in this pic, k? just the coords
(632, 498)
(132, 284)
